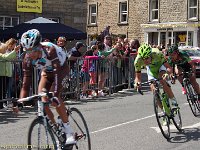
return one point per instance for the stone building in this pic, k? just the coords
(69, 12)
(160, 22)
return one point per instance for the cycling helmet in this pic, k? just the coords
(31, 38)
(172, 48)
(144, 51)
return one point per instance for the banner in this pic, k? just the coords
(29, 6)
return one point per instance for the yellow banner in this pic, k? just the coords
(29, 6)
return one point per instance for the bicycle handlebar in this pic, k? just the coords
(182, 73)
(147, 82)
(42, 94)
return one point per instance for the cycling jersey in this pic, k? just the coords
(61, 53)
(183, 63)
(49, 61)
(157, 60)
(185, 58)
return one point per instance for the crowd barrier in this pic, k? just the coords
(109, 75)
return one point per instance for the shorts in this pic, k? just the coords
(154, 76)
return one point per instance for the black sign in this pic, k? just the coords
(165, 29)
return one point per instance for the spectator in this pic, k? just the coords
(62, 42)
(87, 64)
(6, 69)
(107, 43)
(117, 56)
(75, 53)
(102, 66)
(106, 31)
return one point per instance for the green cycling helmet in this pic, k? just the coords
(145, 51)
(172, 48)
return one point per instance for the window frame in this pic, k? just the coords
(151, 19)
(120, 13)
(192, 7)
(11, 18)
(90, 14)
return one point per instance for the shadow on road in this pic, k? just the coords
(8, 116)
(188, 134)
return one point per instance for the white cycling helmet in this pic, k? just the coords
(31, 38)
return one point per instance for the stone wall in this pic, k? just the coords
(170, 11)
(71, 12)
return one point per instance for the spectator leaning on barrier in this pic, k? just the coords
(117, 56)
(89, 57)
(75, 53)
(102, 66)
(6, 71)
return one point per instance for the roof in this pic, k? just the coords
(40, 20)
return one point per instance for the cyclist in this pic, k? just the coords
(156, 66)
(51, 60)
(183, 63)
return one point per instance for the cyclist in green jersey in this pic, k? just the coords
(156, 66)
(183, 62)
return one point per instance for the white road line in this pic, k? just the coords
(125, 123)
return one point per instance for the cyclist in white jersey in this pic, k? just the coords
(52, 61)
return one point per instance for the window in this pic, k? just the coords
(7, 22)
(154, 7)
(92, 14)
(55, 19)
(123, 12)
(192, 9)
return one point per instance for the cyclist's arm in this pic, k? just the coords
(193, 66)
(138, 77)
(169, 68)
(27, 77)
(138, 63)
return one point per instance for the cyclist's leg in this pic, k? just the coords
(150, 77)
(45, 83)
(195, 84)
(178, 71)
(165, 85)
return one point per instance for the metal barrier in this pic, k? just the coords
(86, 76)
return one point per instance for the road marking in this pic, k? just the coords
(172, 127)
(121, 124)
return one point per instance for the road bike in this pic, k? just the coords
(192, 96)
(43, 134)
(163, 111)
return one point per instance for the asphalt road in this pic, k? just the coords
(119, 122)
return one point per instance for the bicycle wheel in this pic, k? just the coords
(39, 137)
(176, 118)
(80, 128)
(194, 105)
(162, 119)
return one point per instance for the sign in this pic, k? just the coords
(165, 29)
(29, 6)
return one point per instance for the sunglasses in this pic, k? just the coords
(33, 49)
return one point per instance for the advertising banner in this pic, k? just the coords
(29, 6)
